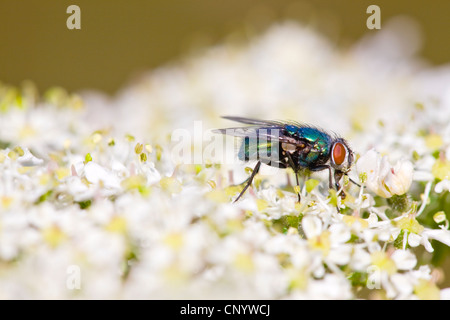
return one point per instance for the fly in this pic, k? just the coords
(289, 144)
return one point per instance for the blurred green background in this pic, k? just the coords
(119, 39)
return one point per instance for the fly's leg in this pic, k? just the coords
(325, 167)
(298, 187)
(337, 176)
(249, 180)
(295, 168)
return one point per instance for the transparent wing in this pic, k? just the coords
(274, 133)
(271, 123)
(252, 132)
(256, 122)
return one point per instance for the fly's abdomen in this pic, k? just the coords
(257, 149)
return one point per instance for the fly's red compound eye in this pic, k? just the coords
(339, 153)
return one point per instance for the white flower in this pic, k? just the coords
(382, 178)
(312, 226)
(331, 287)
(399, 179)
(28, 159)
(442, 186)
(416, 234)
(360, 259)
(95, 174)
(402, 285)
(330, 243)
(404, 259)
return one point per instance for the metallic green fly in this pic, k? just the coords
(291, 145)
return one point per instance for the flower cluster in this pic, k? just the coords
(93, 205)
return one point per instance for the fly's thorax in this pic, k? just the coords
(312, 155)
(341, 156)
(317, 147)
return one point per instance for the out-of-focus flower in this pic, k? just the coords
(382, 178)
(441, 169)
(442, 186)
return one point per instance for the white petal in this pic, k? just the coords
(445, 294)
(319, 271)
(400, 177)
(373, 218)
(383, 173)
(340, 233)
(414, 239)
(442, 186)
(424, 272)
(360, 260)
(368, 163)
(29, 160)
(404, 259)
(438, 234)
(422, 176)
(95, 173)
(385, 168)
(312, 226)
(375, 168)
(403, 284)
(340, 255)
(426, 243)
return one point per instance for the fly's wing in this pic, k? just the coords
(273, 123)
(266, 123)
(272, 133)
(252, 132)
(258, 143)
